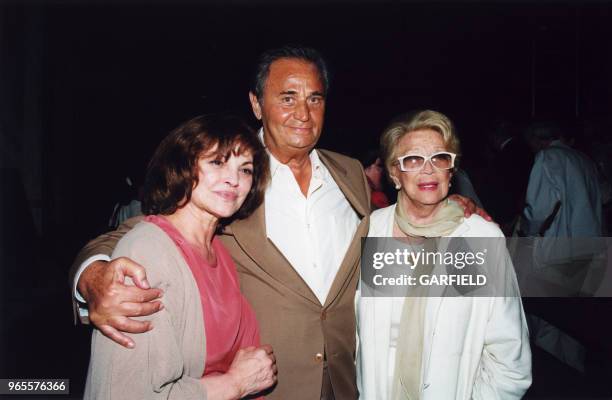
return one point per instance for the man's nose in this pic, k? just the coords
(302, 111)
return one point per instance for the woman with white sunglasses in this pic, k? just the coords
(427, 345)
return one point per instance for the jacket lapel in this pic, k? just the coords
(349, 188)
(360, 204)
(250, 233)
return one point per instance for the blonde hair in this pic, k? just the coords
(415, 121)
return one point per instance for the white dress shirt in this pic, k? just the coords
(314, 231)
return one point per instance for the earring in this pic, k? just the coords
(398, 186)
(450, 184)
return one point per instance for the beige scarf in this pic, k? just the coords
(444, 222)
(408, 359)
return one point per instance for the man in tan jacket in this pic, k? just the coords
(297, 264)
(297, 255)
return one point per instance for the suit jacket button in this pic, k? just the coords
(323, 315)
(318, 357)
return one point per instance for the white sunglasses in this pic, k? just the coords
(442, 160)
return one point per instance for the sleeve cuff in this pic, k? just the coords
(80, 300)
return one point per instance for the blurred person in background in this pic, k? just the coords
(510, 165)
(375, 173)
(130, 202)
(563, 196)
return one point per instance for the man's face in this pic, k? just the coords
(292, 108)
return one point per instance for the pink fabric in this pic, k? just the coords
(229, 320)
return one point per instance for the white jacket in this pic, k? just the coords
(474, 347)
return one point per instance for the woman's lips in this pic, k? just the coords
(226, 195)
(428, 186)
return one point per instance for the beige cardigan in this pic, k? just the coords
(168, 361)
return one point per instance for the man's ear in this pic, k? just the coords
(255, 106)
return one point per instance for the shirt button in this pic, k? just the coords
(318, 357)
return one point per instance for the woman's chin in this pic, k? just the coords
(427, 199)
(224, 212)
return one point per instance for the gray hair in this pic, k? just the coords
(306, 54)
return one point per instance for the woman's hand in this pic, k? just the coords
(252, 370)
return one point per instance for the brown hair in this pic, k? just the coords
(172, 172)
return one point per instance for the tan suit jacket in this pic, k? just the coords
(291, 318)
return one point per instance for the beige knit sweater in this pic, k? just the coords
(168, 361)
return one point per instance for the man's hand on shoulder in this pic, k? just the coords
(469, 207)
(111, 302)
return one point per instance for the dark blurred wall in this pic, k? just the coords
(88, 89)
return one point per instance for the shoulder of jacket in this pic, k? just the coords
(144, 229)
(557, 152)
(480, 227)
(151, 247)
(151, 241)
(380, 220)
(339, 158)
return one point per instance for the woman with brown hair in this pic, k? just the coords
(205, 344)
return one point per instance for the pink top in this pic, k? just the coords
(229, 320)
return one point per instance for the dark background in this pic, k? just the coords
(88, 89)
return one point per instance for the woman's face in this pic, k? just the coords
(429, 186)
(223, 184)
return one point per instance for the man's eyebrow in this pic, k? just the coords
(294, 92)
